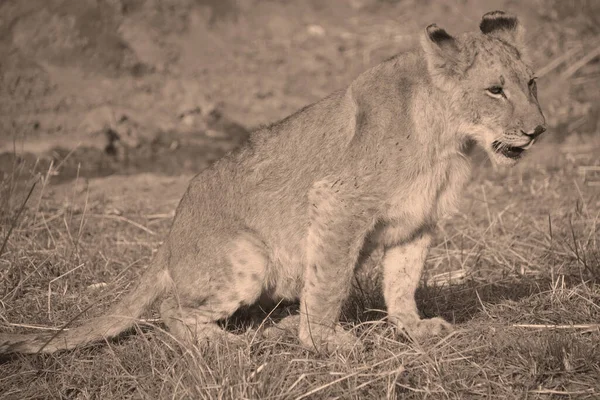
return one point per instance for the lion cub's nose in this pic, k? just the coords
(536, 132)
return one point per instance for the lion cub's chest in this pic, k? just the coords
(424, 199)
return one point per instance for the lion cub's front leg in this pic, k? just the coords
(402, 266)
(338, 224)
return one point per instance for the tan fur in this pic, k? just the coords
(372, 167)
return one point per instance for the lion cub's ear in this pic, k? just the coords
(443, 54)
(503, 26)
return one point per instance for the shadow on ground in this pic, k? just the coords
(456, 303)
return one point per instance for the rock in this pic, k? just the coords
(315, 30)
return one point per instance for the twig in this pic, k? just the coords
(43, 328)
(54, 280)
(562, 392)
(160, 216)
(482, 305)
(52, 328)
(303, 376)
(120, 218)
(581, 63)
(546, 326)
(348, 376)
(557, 61)
(586, 168)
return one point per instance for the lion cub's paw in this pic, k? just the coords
(219, 339)
(417, 328)
(329, 340)
(287, 327)
(323, 340)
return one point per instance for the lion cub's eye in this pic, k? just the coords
(531, 82)
(496, 90)
(533, 86)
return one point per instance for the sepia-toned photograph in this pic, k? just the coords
(299, 199)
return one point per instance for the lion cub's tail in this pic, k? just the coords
(122, 316)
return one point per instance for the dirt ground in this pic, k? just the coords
(113, 105)
(149, 81)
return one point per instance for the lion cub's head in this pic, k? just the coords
(490, 84)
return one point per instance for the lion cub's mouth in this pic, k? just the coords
(508, 151)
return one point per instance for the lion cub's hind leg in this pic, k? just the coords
(191, 313)
(195, 325)
(402, 266)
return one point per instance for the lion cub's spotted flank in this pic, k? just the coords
(371, 166)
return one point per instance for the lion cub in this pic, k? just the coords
(288, 215)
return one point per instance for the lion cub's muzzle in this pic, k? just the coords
(515, 151)
(535, 133)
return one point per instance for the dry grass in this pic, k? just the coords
(527, 305)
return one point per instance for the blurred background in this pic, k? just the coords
(99, 87)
